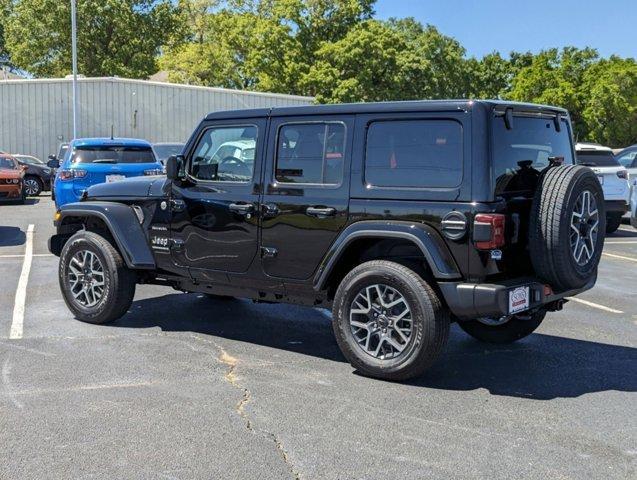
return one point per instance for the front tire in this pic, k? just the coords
(388, 322)
(613, 221)
(95, 282)
(33, 186)
(512, 329)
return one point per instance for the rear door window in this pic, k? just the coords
(311, 153)
(414, 154)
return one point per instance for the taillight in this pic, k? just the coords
(623, 174)
(71, 174)
(488, 231)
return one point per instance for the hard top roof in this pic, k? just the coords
(381, 107)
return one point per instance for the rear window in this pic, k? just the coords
(112, 154)
(414, 154)
(595, 158)
(522, 152)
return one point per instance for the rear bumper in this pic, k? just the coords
(475, 300)
(616, 206)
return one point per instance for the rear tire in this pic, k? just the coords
(516, 328)
(613, 221)
(89, 251)
(378, 349)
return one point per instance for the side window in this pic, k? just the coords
(225, 154)
(310, 153)
(628, 159)
(414, 154)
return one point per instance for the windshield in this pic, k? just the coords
(597, 158)
(522, 152)
(112, 154)
(165, 151)
(62, 152)
(31, 160)
(8, 163)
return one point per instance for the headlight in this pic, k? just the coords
(16, 181)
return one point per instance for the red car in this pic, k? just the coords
(11, 179)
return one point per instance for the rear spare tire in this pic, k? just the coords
(567, 227)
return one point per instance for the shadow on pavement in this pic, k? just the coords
(626, 232)
(540, 367)
(11, 236)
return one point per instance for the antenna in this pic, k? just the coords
(112, 130)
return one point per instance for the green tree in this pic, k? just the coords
(365, 65)
(238, 50)
(556, 77)
(5, 10)
(610, 111)
(115, 37)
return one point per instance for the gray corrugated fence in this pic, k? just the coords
(36, 115)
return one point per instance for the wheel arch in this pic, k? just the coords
(364, 238)
(117, 219)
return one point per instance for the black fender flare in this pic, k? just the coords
(121, 222)
(424, 236)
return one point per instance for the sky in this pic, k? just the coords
(483, 26)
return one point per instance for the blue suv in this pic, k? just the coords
(101, 160)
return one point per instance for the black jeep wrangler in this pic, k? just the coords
(400, 217)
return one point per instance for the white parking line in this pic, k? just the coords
(594, 305)
(619, 242)
(22, 255)
(621, 257)
(21, 292)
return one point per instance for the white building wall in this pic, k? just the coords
(36, 115)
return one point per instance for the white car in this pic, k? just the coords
(633, 201)
(627, 158)
(612, 176)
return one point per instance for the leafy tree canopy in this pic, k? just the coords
(115, 37)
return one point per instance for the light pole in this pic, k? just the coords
(74, 54)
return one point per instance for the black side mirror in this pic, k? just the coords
(174, 167)
(53, 162)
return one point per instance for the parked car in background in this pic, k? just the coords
(633, 201)
(612, 176)
(163, 150)
(38, 175)
(11, 179)
(627, 158)
(89, 161)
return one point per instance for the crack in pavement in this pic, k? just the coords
(231, 377)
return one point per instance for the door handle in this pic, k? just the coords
(269, 210)
(320, 212)
(241, 208)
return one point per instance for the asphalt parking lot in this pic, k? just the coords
(186, 387)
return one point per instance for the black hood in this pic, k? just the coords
(130, 187)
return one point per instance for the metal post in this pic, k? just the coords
(74, 54)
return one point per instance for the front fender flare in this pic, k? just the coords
(425, 237)
(123, 225)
